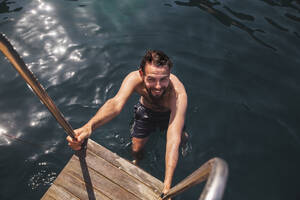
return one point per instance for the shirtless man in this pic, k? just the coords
(162, 105)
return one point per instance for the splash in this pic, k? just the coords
(44, 177)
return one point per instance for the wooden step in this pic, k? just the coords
(97, 173)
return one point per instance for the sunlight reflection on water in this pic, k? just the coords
(41, 24)
(37, 118)
(3, 140)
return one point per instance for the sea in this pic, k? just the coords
(238, 60)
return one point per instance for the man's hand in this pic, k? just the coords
(80, 135)
(165, 191)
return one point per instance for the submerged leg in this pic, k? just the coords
(137, 148)
(185, 146)
(184, 137)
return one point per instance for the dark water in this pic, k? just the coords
(239, 61)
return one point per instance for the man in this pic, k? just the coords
(162, 104)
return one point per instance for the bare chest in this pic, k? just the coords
(160, 105)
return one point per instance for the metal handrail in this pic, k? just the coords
(215, 171)
(216, 182)
(18, 63)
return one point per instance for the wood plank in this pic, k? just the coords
(78, 188)
(99, 182)
(47, 197)
(58, 193)
(127, 166)
(101, 174)
(119, 177)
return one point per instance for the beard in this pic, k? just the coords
(156, 98)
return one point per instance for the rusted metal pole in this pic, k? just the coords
(18, 63)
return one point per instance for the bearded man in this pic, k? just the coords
(162, 105)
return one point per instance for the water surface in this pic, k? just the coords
(239, 61)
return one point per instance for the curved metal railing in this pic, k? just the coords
(215, 171)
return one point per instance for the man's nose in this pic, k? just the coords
(158, 85)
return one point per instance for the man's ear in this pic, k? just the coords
(141, 73)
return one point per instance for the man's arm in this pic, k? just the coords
(174, 133)
(107, 112)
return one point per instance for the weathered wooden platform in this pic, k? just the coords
(97, 173)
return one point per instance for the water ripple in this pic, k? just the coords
(238, 87)
(54, 43)
(225, 19)
(5, 7)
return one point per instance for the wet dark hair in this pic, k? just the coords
(157, 58)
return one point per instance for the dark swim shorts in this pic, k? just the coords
(147, 121)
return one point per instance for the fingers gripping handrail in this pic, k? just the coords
(215, 171)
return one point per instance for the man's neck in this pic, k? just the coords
(155, 104)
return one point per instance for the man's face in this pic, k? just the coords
(156, 80)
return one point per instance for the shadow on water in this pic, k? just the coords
(283, 3)
(273, 23)
(225, 19)
(5, 8)
(286, 4)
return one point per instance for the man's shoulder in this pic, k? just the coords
(134, 76)
(178, 86)
(173, 78)
(132, 80)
